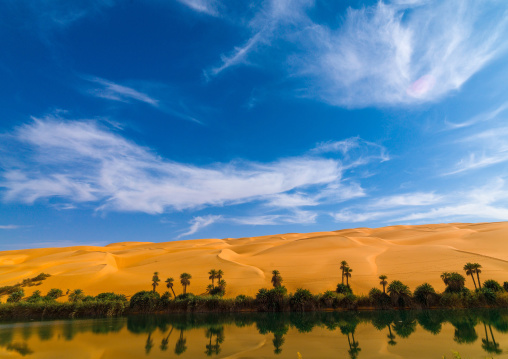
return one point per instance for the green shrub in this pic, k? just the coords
(492, 285)
(451, 300)
(76, 296)
(110, 296)
(244, 302)
(488, 294)
(364, 301)
(271, 300)
(505, 286)
(54, 293)
(302, 299)
(328, 298)
(35, 297)
(145, 301)
(16, 296)
(343, 289)
(424, 294)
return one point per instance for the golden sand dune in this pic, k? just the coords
(412, 254)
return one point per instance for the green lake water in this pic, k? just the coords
(383, 334)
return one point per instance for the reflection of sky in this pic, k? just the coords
(149, 121)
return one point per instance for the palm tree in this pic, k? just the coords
(169, 285)
(210, 288)
(165, 341)
(155, 280)
(220, 273)
(222, 285)
(383, 282)
(181, 346)
(185, 280)
(470, 270)
(347, 274)
(453, 281)
(343, 265)
(477, 269)
(276, 278)
(213, 275)
(399, 292)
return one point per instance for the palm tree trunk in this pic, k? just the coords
(472, 276)
(384, 287)
(486, 335)
(174, 294)
(343, 277)
(184, 289)
(492, 334)
(347, 281)
(479, 283)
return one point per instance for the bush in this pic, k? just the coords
(492, 285)
(378, 298)
(244, 302)
(302, 299)
(54, 293)
(505, 286)
(451, 300)
(35, 297)
(110, 296)
(76, 296)
(343, 289)
(144, 301)
(364, 301)
(424, 294)
(271, 300)
(219, 291)
(328, 298)
(488, 294)
(16, 296)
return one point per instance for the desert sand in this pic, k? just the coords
(413, 254)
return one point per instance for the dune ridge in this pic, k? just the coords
(411, 253)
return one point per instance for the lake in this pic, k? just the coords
(380, 334)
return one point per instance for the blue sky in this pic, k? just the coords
(163, 120)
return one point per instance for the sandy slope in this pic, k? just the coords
(413, 254)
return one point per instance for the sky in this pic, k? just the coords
(128, 120)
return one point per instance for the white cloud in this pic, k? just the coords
(408, 199)
(113, 91)
(487, 202)
(296, 217)
(80, 161)
(198, 223)
(402, 53)
(9, 226)
(209, 7)
(487, 116)
(399, 52)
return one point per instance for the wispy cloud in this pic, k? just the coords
(9, 226)
(487, 202)
(390, 53)
(200, 222)
(296, 217)
(209, 7)
(486, 116)
(113, 91)
(81, 161)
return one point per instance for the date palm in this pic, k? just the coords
(347, 274)
(155, 280)
(220, 273)
(343, 265)
(470, 270)
(383, 282)
(185, 280)
(477, 269)
(276, 278)
(169, 285)
(213, 275)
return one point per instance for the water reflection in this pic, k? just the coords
(480, 328)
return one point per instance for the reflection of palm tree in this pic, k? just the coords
(354, 347)
(278, 341)
(490, 347)
(164, 343)
(391, 336)
(180, 346)
(149, 344)
(218, 332)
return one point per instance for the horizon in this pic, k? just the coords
(125, 121)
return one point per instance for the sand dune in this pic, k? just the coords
(412, 254)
